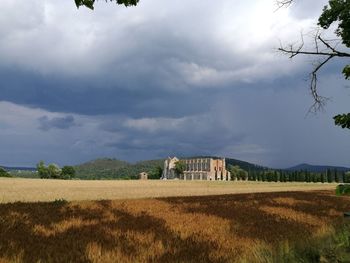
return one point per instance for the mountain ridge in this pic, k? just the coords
(109, 168)
(317, 168)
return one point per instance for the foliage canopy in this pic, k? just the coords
(4, 173)
(180, 167)
(90, 3)
(338, 11)
(53, 171)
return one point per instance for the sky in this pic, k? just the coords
(165, 78)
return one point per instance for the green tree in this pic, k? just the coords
(180, 167)
(237, 172)
(68, 172)
(307, 177)
(336, 13)
(336, 176)
(233, 169)
(269, 176)
(282, 176)
(313, 178)
(260, 176)
(347, 177)
(301, 176)
(54, 171)
(155, 173)
(329, 176)
(42, 170)
(4, 173)
(90, 3)
(243, 174)
(253, 176)
(51, 171)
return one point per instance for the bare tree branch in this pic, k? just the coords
(283, 3)
(336, 12)
(319, 101)
(329, 52)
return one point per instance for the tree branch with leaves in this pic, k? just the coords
(90, 3)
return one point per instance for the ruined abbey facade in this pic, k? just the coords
(197, 169)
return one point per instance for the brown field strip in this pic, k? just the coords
(32, 190)
(224, 228)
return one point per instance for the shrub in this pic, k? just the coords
(68, 172)
(60, 202)
(4, 173)
(343, 189)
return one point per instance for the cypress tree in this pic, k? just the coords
(282, 177)
(336, 176)
(307, 177)
(329, 176)
(291, 176)
(259, 177)
(342, 179)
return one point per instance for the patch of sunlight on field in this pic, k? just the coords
(31, 190)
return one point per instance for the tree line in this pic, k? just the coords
(329, 176)
(53, 171)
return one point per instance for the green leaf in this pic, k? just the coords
(342, 120)
(89, 3)
(346, 71)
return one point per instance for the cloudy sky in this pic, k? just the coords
(184, 78)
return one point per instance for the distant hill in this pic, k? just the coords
(317, 168)
(23, 172)
(31, 169)
(245, 165)
(108, 168)
(115, 169)
(100, 168)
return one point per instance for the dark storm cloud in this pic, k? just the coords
(96, 97)
(63, 123)
(185, 143)
(158, 69)
(200, 78)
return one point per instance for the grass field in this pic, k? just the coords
(32, 190)
(224, 228)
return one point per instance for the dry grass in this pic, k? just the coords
(32, 190)
(224, 228)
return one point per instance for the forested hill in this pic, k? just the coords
(115, 169)
(245, 165)
(108, 168)
(317, 168)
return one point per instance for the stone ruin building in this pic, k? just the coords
(169, 169)
(197, 169)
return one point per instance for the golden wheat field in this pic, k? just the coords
(221, 228)
(32, 190)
